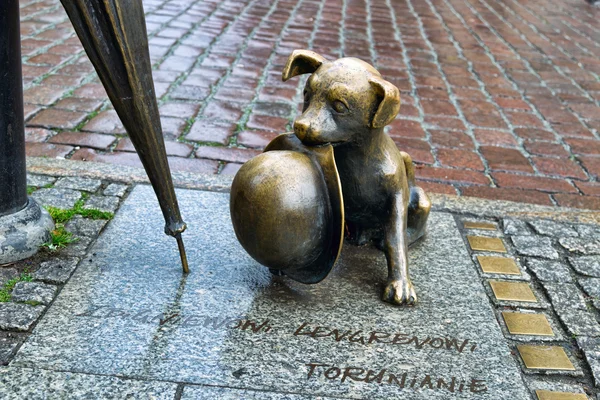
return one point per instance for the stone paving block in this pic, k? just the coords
(6, 274)
(18, 317)
(102, 203)
(535, 246)
(591, 349)
(33, 292)
(554, 229)
(56, 271)
(591, 286)
(588, 231)
(115, 189)
(586, 265)
(59, 198)
(565, 296)
(77, 248)
(7, 347)
(80, 226)
(550, 271)
(581, 245)
(515, 227)
(579, 322)
(77, 183)
(40, 180)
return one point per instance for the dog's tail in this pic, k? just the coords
(409, 167)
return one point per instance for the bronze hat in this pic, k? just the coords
(287, 209)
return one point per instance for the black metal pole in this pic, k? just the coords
(13, 178)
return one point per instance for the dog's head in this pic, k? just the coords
(344, 100)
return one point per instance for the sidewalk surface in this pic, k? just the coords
(500, 98)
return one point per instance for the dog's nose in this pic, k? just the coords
(301, 128)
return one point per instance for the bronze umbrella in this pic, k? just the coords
(113, 33)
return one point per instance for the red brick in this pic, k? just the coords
(460, 159)
(572, 130)
(438, 107)
(589, 188)
(179, 109)
(546, 149)
(521, 196)
(591, 164)
(451, 139)
(588, 111)
(489, 137)
(173, 148)
(91, 91)
(503, 159)
(432, 93)
(235, 155)
(406, 128)
(207, 130)
(44, 95)
(37, 135)
(550, 185)
(565, 168)
(577, 201)
(255, 139)
(106, 122)
(265, 122)
(524, 119)
(29, 110)
(469, 94)
(428, 173)
(534, 134)
(513, 104)
(93, 140)
(47, 150)
(55, 118)
(582, 146)
(419, 150)
(434, 187)
(132, 160)
(445, 123)
(79, 104)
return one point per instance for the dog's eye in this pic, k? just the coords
(339, 107)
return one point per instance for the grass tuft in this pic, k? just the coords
(6, 290)
(59, 238)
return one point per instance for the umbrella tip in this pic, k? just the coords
(182, 254)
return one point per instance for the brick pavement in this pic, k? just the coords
(500, 97)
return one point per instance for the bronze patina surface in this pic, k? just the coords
(527, 324)
(545, 357)
(486, 226)
(347, 104)
(113, 33)
(513, 291)
(498, 265)
(484, 243)
(548, 395)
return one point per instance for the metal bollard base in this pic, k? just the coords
(22, 233)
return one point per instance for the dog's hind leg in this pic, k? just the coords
(419, 204)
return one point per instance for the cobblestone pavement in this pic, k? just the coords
(500, 97)
(558, 261)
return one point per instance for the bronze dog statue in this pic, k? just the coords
(347, 104)
(290, 217)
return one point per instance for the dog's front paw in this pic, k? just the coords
(400, 292)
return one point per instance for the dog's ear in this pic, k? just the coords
(302, 62)
(389, 102)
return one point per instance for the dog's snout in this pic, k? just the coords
(301, 128)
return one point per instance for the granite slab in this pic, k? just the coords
(128, 311)
(38, 384)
